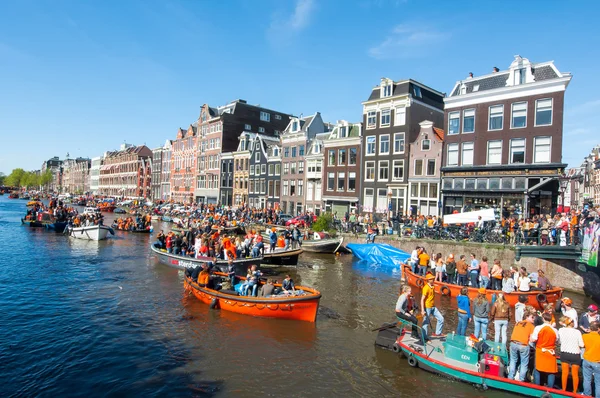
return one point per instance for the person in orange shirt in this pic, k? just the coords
(591, 360)
(519, 346)
(545, 338)
(428, 307)
(423, 261)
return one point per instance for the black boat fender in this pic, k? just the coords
(214, 304)
(412, 361)
(445, 291)
(396, 348)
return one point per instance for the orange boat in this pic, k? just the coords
(535, 298)
(300, 308)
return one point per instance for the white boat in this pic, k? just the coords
(92, 232)
(91, 211)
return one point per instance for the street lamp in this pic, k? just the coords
(564, 183)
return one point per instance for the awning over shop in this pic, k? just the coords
(470, 216)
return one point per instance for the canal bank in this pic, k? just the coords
(564, 273)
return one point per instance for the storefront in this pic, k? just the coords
(512, 193)
(341, 206)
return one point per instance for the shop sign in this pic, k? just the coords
(485, 173)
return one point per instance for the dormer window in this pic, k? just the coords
(343, 132)
(519, 76)
(386, 91)
(295, 125)
(417, 91)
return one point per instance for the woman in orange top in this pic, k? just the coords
(545, 337)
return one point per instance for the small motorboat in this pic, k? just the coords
(482, 364)
(183, 262)
(13, 195)
(321, 242)
(281, 257)
(136, 230)
(535, 298)
(57, 226)
(91, 211)
(92, 232)
(167, 219)
(302, 307)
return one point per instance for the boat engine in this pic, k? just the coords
(492, 365)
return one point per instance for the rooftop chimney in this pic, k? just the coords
(495, 69)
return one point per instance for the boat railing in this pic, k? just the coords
(404, 323)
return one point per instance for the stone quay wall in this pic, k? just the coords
(563, 273)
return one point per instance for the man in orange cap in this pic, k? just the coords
(428, 307)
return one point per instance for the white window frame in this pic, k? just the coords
(339, 162)
(400, 116)
(261, 129)
(248, 127)
(265, 116)
(384, 112)
(342, 175)
(512, 115)
(371, 114)
(379, 168)
(263, 169)
(551, 111)
(422, 142)
(450, 148)
(462, 153)
(367, 145)
(331, 175)
(372, 162)
(415, 167)
(427, 167)
(351, 174)
(451, 117)
(501, 106)
(487, 161)
(535, 139)
(511, 147)
(400, 163)
(386, 91)
(403, 140)
(381, 142)
(463, 120)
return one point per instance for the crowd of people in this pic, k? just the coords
(137, 222)
(574, 337)
(477, 273)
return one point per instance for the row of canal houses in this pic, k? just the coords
(494, 141)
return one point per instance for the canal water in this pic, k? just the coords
(106, 319)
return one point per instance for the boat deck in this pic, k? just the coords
(434, 349)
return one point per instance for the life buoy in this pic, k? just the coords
(396, 348)
(214, 304)
(412, 361)
(445, 291)
(420, 282)
(541, 298)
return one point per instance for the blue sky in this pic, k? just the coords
(84, 76)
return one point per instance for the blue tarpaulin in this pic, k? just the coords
(377, 253)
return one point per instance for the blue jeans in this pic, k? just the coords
(422, 270)
(481, 325)
(169, 250)
(244, 289)
(537, 378)
(462, 280)
(473, 276)
(438, 316)
(413, 266)
(518, 352)
(500, 327)
(485, 282)
(591, 370)
(463, 321)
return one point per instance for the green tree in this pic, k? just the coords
(46, 178)
(14, 178)
(30, 180)
(324, 223)
(2, 178)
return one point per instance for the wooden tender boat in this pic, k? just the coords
(92, 232)
(300, 308)
(183, 262)
(322, 243)
(535, 298)
(456, 359)
(279, 257)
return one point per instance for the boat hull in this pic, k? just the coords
(430, 364)
(94, 232)
(299, 308)
(57, 226)
(287, 257)
(182, 262)
(323, 245)
(535, 298)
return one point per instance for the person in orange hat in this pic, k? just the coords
(481, 311)
(566, 307)
(428, 307)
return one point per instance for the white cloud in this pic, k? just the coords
(283, 26)
(407, 41)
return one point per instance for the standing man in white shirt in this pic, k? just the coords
(568, 311)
